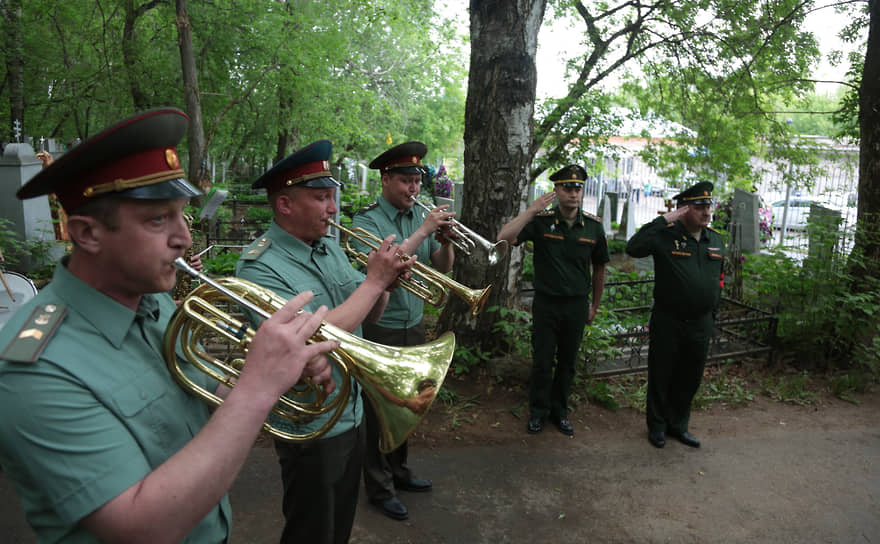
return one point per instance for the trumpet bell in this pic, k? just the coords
(400, 382)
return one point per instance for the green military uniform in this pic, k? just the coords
(286, 266)
(89, 408)
(687, 292)
(400, 325)
(563, 257)
(320, 478)
(404, 309)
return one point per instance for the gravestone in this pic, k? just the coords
(627, 222)
(823, 229)
(31, 219)
(744, 212)
(606, 216)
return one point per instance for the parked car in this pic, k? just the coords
(798, 212)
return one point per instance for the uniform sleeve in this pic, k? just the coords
(642, 242)
(58, 440)
(528, 232)
(600, 255)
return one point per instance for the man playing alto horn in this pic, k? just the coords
(99, 441)
(394, 212)
(321, 478)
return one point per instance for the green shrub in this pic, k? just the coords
(221, 265)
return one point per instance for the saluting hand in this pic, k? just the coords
(676, 214)
(542, 202)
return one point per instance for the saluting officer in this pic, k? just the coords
(688, 258)
(569, 243)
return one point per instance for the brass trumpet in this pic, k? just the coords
(433, 285)
(468, 240)
(400, 382)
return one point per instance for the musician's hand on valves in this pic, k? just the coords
(279, 354)
(384, 265)
(195, 261)
(439, 219)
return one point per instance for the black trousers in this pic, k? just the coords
(676, 359)
(381, 470)
(557, 328)
(321, 482)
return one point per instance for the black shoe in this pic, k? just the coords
(657, 438)
(564, 426)
(415, 484)
(535, 425)
(392, 507)
(686, 438)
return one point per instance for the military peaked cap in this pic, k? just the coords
(306, 167)
(405, 158)
(135, 158)
(699, 193)
(569, 176)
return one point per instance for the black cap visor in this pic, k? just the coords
(166, 190)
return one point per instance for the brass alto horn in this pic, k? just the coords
(468, 239)
(400, 382)
(432, 286)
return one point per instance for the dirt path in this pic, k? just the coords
(768, 472)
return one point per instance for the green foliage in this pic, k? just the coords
(221, 265)
(467, 358)
(791, 389)
(528, 270)
(616, 246)
(15, 249)
(259, 215)
(602, 394)
(514, 327)
(723, 388)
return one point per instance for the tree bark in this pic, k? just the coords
(198, 153)
(498, 137)
(866, 263)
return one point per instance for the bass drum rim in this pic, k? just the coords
(23, 289)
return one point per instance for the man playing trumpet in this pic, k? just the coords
(99, 441)
(321, 478)
(423, 235)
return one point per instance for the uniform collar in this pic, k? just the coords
(578, 218)
(281, 239)
(390, 211)
(110, 318)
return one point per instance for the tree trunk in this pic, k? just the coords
(498, 137)
(129, 56)
(14, 67)
(867, 246)
(198, 154)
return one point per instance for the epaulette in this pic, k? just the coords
(595, 218)
(544, 213)
(35, 334)
(368, 207)
(713, 230)
(253, 252)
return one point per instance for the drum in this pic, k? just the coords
(22, 291)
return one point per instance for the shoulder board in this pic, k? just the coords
(35, 334)
(595, 218)
(253, 252)
(544, 213)
(368, 207)
(713, 230)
